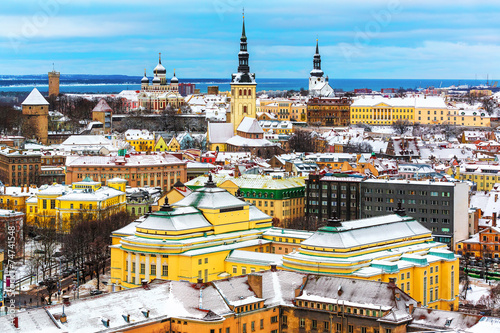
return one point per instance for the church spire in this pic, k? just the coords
(317, 72)
(243, 55)
(317, 58)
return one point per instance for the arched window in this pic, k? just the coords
(244, 92)
(133, 210)
(240, 92)
(244, 109)
(249, 92)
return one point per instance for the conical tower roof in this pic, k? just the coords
(35, 98)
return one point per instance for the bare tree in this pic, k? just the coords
(301, 141)
(401, 126)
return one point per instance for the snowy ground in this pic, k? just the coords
(477, 289)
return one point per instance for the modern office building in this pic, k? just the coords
(442, 207)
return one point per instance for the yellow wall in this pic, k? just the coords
(239, 102)
(381, 114)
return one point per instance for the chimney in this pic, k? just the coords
(400, 210)
(494, 220)
(255, 282)
(392, 283)
(199, 283)
(273, 268)
(145, 284)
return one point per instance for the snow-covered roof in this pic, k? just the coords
(35, 98)
(180, 218)
(220, 132)
(86, 140)
(102, 106)
(132, 160)
(240, 141)
(211, 198)
(372, 295)
(250, 125)
(366, 231)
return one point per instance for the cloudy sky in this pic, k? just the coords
(425, 39)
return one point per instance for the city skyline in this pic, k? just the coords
(365, 39)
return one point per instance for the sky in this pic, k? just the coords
(376, 39)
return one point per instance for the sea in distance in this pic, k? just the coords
(113, 84)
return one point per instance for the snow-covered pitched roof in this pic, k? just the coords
(102, 106)
(240, 141)
(86, 140)
(220, 132)
(35, 98)
(250, 125)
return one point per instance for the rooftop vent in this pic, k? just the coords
(400, 210)
(166, 206)
(210, 183)
(334, 221)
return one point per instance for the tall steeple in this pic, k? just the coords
(243, 55)
(317, 63)
(243, 75)
(243, 87)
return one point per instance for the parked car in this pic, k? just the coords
(95, 292)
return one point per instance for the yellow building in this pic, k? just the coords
(141, 140)
(467, 116)
(426, 110)
(15, 197)
(284, 109)
(485, 176)
(188, 241)
(382, 248)
(282, 199)
(102, 113)
(61, 205)
(160, 144)
(174, 145)
(381, 110)
(211, 235)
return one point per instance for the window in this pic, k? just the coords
(262, 324)
(339, 327)
(244, 328)
(363, 329)
(153, 269)
(235, 270)
(326, 326)
(314, 324)
(274, 319)
(302, 323)
(350, 329)
(388, 330)
(143, 268)
(252, 325)
(434, 194)
(164, 270)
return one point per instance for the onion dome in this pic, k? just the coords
(174, 79)
(156, 79)
(159, 69)
(145, 78)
